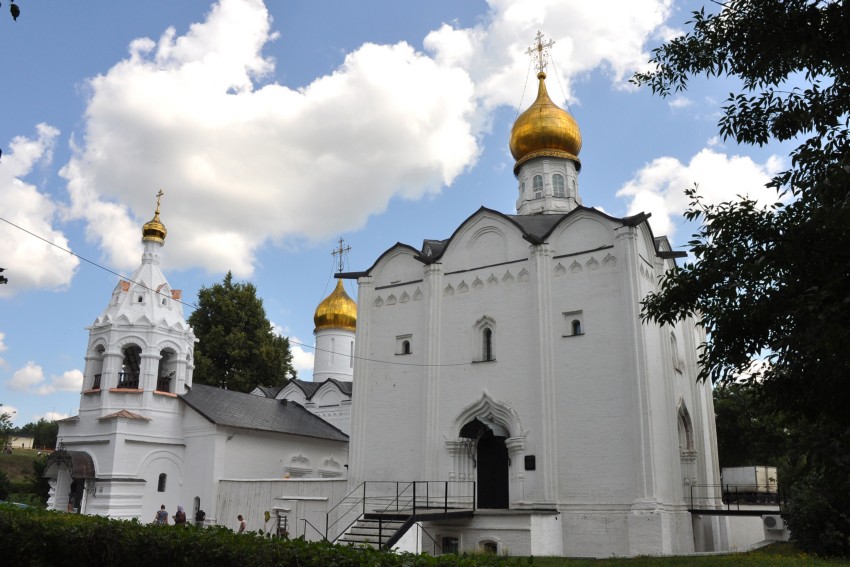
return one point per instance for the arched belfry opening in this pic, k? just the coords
(485, 441)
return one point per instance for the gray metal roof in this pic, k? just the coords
(270, 391)
(310, 388)
(235, 409)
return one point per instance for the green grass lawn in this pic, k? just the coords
(18, 467)
(782, 554)
(19, 464)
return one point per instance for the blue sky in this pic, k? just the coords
(275, 129)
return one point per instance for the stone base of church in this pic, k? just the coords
(119, 498)
(577, 533)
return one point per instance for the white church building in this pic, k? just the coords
(146, 436)
(499, 379)
(529, 371)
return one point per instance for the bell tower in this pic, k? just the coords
(545, 142)
(140, 348)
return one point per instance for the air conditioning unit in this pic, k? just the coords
(773, 522)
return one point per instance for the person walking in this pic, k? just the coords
(242, 524)
(180, 517)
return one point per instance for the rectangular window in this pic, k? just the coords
(450, 544)
(558, 186)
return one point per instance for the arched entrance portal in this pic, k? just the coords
(491, 462)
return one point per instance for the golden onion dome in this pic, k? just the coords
(544, 129)
(336, 311)
(154, 230)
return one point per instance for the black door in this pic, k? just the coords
(492, 472)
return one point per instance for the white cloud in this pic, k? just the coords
(186, 114)
(243, 161)
(587, 35)
(11, 411)
(70, 381)
(30, 263)
(31, 379)
(302, 359)
(659, 187)
(26, 377)
(51, 416)
(680, 102)
(3, 348)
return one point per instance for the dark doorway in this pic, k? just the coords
(75, 498)
(492, 465)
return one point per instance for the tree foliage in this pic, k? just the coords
(43, 432)
(747, 434)
(772, 281)
(6, 428)
(237, 348)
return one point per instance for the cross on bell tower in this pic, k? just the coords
(540, 52)
(340, 251)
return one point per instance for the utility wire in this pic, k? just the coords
(95, 264)
(317, 349)
(123, 277)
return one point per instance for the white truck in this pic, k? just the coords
(758, 478)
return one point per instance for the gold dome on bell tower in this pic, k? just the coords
(544, 129)
(336, 311)
(154, 230)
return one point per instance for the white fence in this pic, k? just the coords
(296, 499)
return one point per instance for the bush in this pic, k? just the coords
(36, 537)
(5, 485)
(818, 513)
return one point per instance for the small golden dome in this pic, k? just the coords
(154, 230)
(544, 129)
(336, 311)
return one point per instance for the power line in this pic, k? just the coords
(376, 360)
(95, 264)
(125, 278)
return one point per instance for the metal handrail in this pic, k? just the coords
(407, 500)
(128, 380)
(317, 530)
(436, 545)
(719, 495)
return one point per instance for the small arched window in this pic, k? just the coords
(537, 185)
(522, 188)
(558, 186)
(405, 347)
(141, 299)
(487, 346)
(674, 353)
(489, 547)
(576, 326)
(160, 487)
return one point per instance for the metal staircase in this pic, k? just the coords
(378, 513)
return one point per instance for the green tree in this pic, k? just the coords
(773, 280)
(39, 485)
(237, 348)
(6, 428)
(43, 432)
(5, 485)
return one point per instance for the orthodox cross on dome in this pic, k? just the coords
(540, 52)
(158, 197)
(341, 251)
